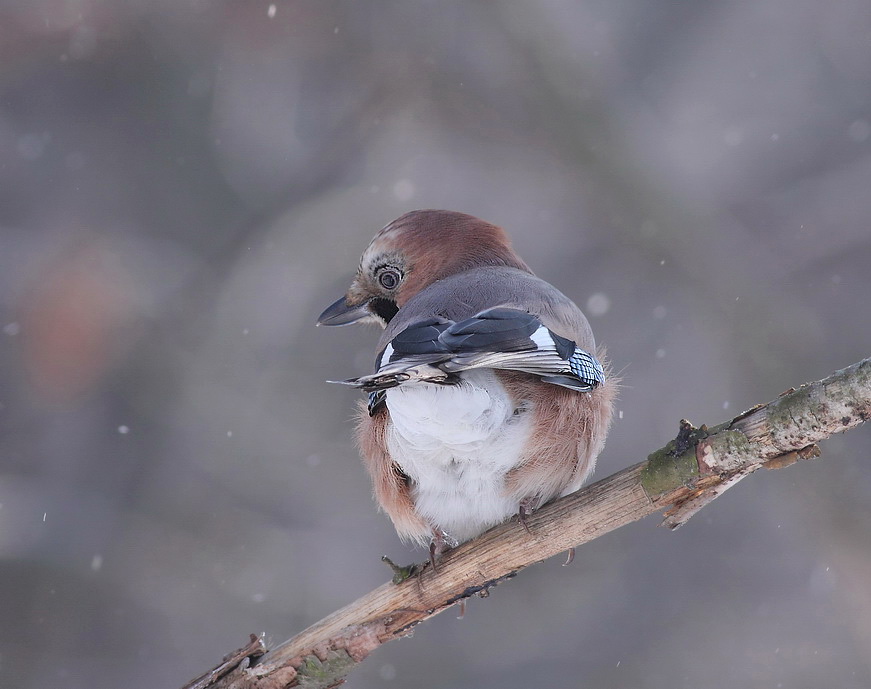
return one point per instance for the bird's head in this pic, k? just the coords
(411, 253)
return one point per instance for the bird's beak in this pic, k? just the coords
(342, 313)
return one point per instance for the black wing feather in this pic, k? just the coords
(499, 329)
(420, 338)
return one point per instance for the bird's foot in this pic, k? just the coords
(441, 542)
(527, 505)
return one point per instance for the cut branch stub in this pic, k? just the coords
(773, 435)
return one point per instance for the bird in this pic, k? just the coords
(488, 398)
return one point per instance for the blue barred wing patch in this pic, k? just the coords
(587, 368)
(376, 399)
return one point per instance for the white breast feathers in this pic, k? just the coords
(456, 443)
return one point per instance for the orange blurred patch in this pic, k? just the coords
(72, 322)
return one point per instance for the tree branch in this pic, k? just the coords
(692, 470)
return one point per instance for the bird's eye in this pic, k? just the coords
(389, 278)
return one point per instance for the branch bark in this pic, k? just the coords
(692, 470)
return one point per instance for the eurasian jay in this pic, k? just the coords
(487, 399)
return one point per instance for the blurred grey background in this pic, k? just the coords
(185, 185)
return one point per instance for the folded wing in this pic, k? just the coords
(436, 350)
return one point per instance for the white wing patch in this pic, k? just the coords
(385, 356)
